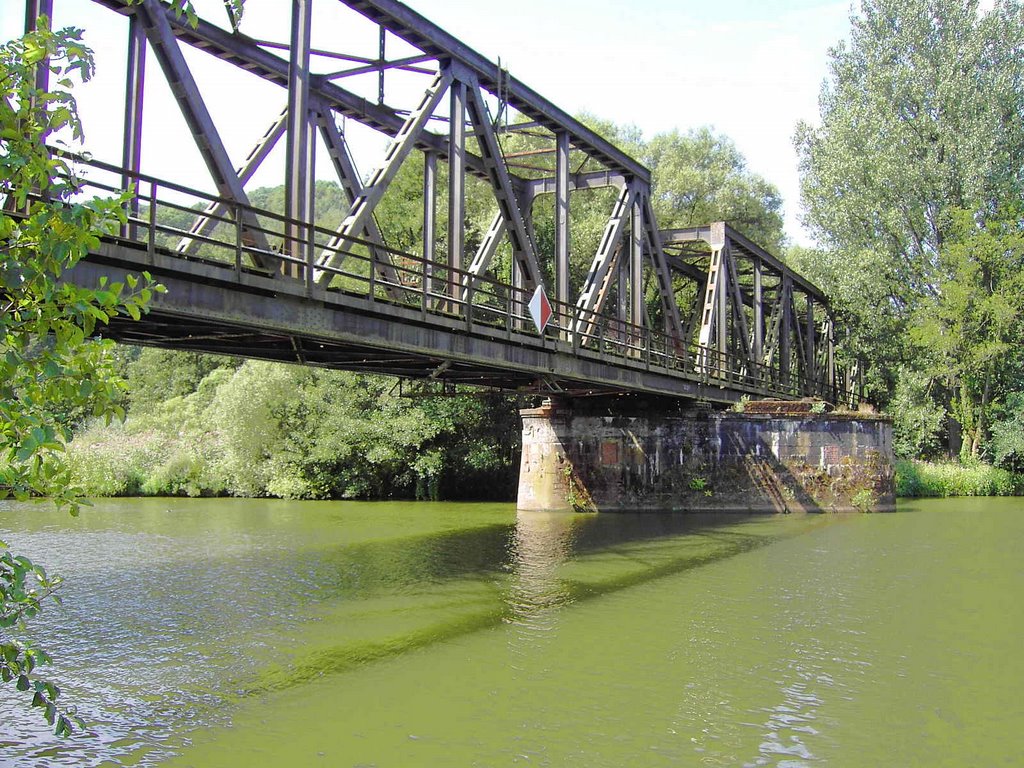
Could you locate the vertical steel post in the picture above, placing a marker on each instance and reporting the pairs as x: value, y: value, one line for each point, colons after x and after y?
x: 722, y: 312
x: 132, y: 144
x: 381, y: 57
x: 810, y: 369
x: 429, y: 226
x: 758, y: 316
x: 562, y: 224
x: 456, y: 185
x: 636, y: 265
x: 830, y: 358
x: 622, y: 305
x: 786, y: 329
x: 298, y: 176
x: 516, y: 303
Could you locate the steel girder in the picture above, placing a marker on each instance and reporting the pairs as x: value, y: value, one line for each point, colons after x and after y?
x: 729, y: 307
x: 756, y: 314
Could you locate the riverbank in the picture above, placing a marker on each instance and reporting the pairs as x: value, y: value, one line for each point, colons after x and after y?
x: 123, y: 468
x: 923, y: 479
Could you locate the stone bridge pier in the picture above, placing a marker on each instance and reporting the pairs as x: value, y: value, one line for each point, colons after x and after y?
x: 624, y: 455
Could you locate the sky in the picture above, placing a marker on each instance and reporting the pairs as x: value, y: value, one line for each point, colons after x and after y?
x: 750, y: 69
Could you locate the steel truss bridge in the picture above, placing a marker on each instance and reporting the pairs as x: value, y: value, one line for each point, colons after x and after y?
x: 696, y: 313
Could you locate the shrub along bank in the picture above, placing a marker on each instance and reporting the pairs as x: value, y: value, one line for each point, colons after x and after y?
x: 204, y: 426
x: 927, y: 479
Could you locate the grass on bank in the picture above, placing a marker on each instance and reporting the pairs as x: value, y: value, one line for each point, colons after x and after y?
x: 916, y: 479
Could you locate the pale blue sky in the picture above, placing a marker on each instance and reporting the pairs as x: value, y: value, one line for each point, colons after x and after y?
x: 749, y: 69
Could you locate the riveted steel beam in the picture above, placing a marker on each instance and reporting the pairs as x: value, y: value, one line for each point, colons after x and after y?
x: 299, y: 171
x: 456, y: 184
x: 209, y: 218
x: 600, y: 277
x: 363, y: 206
x: 131, y: 148
x: 183, y: 85
x: 348, y: 178
x: 523, y: 249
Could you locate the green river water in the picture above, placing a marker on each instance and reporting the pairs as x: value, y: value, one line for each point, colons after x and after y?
x: 268, y: 633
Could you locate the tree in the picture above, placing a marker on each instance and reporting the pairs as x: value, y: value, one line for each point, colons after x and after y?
x: 1008, y: 433
x: 971, y: 332
x: 48, y: 358
x: 700, y: 177
x: 906, y: 180
x: 920, y: 115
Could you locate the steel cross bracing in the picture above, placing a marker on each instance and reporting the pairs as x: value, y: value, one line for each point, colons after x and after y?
x: 700, y: 312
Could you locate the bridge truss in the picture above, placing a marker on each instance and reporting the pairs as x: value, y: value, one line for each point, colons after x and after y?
x: 699, y: 313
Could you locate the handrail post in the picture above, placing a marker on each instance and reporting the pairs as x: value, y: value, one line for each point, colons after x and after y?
x: 373, y: 278
x: 574, y: 336
x: 151, y: 240
x: 238, y: 242
x: 310, y: 257
x: 424, y: 288
x: 508, y: 312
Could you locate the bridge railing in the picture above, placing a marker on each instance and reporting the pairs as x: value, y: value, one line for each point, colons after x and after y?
x: 174, y: 220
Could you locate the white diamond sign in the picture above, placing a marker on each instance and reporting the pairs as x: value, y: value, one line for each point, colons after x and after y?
x: 540, y: 308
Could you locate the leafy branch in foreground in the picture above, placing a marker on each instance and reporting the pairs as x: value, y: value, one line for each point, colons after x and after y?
x: 49, y: 360
x: 26, y: 586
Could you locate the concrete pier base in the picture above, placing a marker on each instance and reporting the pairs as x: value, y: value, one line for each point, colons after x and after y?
x: 592, y: 457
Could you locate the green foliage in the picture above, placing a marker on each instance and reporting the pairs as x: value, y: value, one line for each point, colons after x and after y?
x: 576, y: 493
x: 50, y: 364
x: 917, y: 417
x: 915, y: 120
x: 973, y: 329
x: 272, y: 429
x: 925, y: 479
x: 1008, y: 433
x: 160, y: 374
x: 700, y: 177
x: 864, y: 500
x: 912, y: 180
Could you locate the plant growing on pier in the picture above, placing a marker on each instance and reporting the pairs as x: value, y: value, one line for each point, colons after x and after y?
x: 576, y: 494
x: 864, y: 500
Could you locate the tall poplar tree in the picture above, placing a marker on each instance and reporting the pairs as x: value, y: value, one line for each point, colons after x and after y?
x: 917, y: 160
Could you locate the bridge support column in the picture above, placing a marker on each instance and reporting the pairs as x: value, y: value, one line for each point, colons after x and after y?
x: 604, y: 455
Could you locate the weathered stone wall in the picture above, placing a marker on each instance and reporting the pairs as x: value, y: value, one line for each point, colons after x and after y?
x: 704, y: 460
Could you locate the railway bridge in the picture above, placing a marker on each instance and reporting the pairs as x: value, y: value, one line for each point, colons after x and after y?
x: 641, y: 317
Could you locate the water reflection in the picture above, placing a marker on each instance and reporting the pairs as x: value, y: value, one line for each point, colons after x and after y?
x: 542, y: 542
x: 558, y: 558
x: 175, y: 615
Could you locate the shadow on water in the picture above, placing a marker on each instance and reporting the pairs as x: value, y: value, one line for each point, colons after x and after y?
x: 428, y: 589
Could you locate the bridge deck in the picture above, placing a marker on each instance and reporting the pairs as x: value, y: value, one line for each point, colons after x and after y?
x: 403, y: 321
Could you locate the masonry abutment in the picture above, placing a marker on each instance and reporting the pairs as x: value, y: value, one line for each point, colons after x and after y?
x: 617, y: 455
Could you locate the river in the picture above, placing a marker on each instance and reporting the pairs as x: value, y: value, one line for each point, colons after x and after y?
x: 238, y: 633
